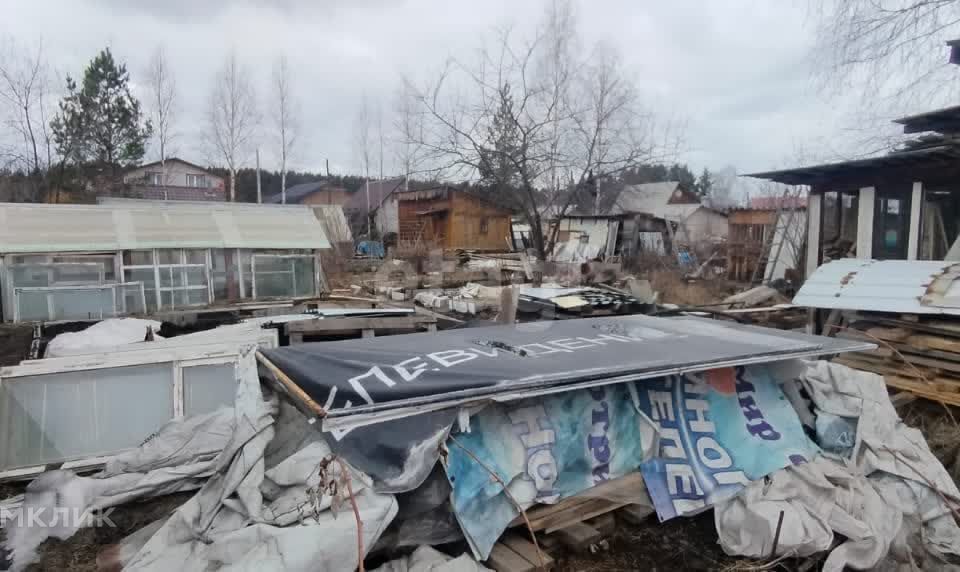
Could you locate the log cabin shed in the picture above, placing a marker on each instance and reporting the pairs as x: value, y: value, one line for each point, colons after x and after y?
x: 901, y: 206
x: 451, y: 218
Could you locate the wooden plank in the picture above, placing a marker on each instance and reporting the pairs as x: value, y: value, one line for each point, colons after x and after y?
x: 330, y: 325
x: 620, y: 487
x: 888, y: 334
x: 922, y: 390
x: 605, y: 524
x: 635, y: 513
x: 600, y: 507
x: 503, y: 559
x: 528, y: 551
x: 579, y: 536
x: 929, y: 342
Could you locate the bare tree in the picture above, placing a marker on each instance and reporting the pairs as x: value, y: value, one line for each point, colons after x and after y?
x: 23, y: 88
x: 535, y: 126
x: 363, y: 141
x: 408, y: 129
x: 285, y: 119
x: 232, y: 117
x: 163, y: 97
x: 892, y: 52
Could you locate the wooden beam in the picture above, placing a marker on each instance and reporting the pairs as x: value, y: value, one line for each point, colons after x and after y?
x: 333, y: 325
x: 290, y: 386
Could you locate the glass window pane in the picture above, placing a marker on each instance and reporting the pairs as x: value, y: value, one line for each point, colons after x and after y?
x: 207, y: 387
x: 169, y: 256
x: 224, y: 275
x: 138, y: 258
x: 195, y: 276
x: 62, y: 416
x: 196, y: 256
x: 303, y: 277
x: 197, y: 297
x: 82, y: 304
x: 247, y: 276
x: 891, y: 222
x: 32, y: 306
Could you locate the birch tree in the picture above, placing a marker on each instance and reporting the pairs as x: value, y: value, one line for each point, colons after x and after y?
x: 163, y: 97
x: 284, y: 119
x: 363, y: 141
x: 24, y: 85
x: 232, y: 117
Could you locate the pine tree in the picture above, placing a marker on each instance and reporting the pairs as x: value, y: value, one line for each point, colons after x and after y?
x: 498, y: 167
x: 100, y: 126
x: 705, y: 183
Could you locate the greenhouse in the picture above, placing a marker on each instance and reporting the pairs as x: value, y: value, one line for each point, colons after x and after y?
x: 90, y: 262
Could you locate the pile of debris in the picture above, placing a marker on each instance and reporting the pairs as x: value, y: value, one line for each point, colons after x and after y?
x: 906, y: 307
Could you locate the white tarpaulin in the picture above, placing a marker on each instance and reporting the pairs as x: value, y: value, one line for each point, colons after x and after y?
x: 273, y: 498
x: 105, y: 334
x: 179, y: 457
x: 881, y: 488
x: 426, y: 559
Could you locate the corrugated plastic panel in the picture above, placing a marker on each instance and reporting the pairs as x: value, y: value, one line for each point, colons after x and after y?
x: 131, y: 225
x: 874, y: 285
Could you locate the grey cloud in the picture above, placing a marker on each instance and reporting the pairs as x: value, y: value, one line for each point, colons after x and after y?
x: 736, y: 69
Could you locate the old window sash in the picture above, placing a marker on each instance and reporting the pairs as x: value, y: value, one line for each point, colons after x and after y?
x: 289, y: 271
x: 173, y: 277
x: 85, y: 374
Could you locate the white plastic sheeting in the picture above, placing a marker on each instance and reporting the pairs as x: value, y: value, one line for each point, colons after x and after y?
x: 426, y: 559
x: 265, y: 504
x: 886, y: 497
x: 251, y: 516
x: 180, y: 457
x: 102, y: 335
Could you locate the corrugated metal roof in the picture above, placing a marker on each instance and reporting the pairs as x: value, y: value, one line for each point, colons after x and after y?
x: 899, y: 286
x: 132, y: 224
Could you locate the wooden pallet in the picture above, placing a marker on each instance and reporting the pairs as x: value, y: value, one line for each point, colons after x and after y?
x: 576, y: 524
x: 917, y: 355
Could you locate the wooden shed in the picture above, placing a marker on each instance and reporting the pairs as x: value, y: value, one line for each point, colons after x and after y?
x: 747, y: 236
x: 451, y: 218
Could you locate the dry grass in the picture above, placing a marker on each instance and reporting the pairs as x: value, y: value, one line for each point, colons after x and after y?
x: 940, y: 430
x: 674, y: 289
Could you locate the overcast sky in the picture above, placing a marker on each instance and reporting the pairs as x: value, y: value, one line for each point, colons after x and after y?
x: 736, y: 71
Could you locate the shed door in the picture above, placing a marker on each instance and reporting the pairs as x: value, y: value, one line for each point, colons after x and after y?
x: 891, y: 223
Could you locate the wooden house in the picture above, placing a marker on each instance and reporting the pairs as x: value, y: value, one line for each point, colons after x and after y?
x: 451, y: 218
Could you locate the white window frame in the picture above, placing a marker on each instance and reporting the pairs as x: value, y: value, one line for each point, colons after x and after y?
x: 182, y: 257
x: 196, y: 181
x: 51, y: 290
x: 316, y: 271
x: 241, y: 355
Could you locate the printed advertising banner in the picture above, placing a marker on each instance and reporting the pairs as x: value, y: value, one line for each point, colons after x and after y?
x: 697, y: 439
x: 547, y: 449
x: 719, y: 430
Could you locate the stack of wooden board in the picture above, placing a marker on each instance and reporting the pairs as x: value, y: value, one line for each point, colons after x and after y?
x: 916, y: 354
x: 579, y: 523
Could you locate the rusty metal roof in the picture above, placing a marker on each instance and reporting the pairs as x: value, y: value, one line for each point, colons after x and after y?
x: 896, y: 286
